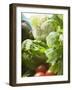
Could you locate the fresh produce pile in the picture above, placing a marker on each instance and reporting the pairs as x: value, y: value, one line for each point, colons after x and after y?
x: 42, y: 55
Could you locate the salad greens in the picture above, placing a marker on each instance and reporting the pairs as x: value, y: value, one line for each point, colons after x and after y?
x: 52, y: 39
x: 46, y: 47
x: 33, y: 53
x: 55, y: 52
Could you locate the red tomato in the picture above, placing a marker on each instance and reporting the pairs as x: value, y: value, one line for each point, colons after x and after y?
x: 39, y: 74
x: 49, y: 73
x: 41, y: 68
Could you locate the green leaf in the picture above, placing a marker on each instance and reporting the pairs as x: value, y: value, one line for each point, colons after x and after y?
x: 57, y: 67
x: 33, y: 53
x: 52, y: 39
x: 51, y: 55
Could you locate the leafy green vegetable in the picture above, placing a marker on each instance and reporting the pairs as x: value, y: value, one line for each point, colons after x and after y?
x: 57, y: 20
x: 26, y: 44
x: 43, y: 25
x: 33, y: 53
x: 47, y: 46
x: 52, y: 39
x: 37, y: 20
x: 46, y: 28
x: 57, y: 67
x: 55, y: 52
x: 52, y: 55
